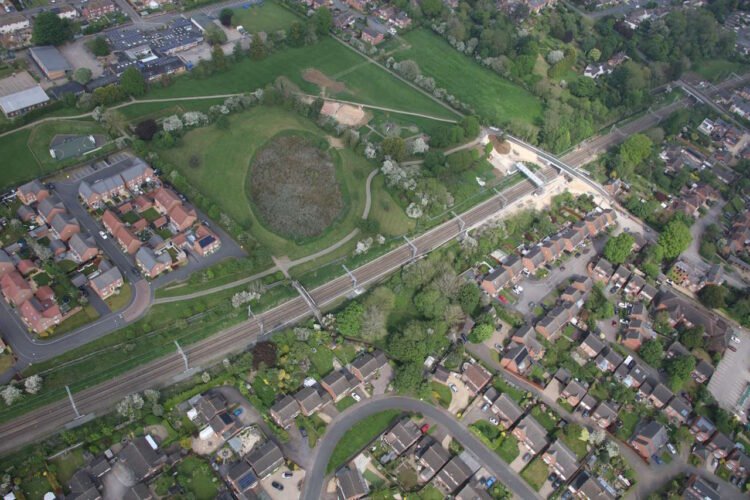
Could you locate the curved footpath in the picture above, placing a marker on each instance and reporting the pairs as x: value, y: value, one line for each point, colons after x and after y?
x: 316, y: 477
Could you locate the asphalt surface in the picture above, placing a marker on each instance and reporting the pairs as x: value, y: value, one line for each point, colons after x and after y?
x: 316, y: 477
x: 55, y: 416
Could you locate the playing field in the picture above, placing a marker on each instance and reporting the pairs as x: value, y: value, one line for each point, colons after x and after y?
x: 268, y: 17
x: 225, y: 157
x: 488, y: 93
x: 364, y: 81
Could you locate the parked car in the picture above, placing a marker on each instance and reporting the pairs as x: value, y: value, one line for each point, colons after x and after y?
x: 277, y: 485
x: 237, y: 412
x: 527, y: 457
x: 485, y: 406
x: 735, y: 339
x: 493, y: 420
x: 453, y: 387
x: 103, y: 235
x: 356, y: 397
x: 502, y: 299
x: 287, y: 474
x: 671, y: 449
x: 424, y: 428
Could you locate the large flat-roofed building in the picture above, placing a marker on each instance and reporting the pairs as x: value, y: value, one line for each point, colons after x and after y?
x: 21, y: 102
x: 51, y: 61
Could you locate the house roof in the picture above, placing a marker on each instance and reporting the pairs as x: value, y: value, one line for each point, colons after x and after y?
x: 309, y: 399
x: 592, y: 342
x: 704, y: 368
x: 18, y: 101
x: 638, y: 309
x: 50, y: 59
x: 662, y: 393
x: 149, y: 260
x: 434, y: 456
x: 369, y: 364
x: 575, y: 389
x: 653, y: 433
x: 722, y: 441
x: 351, y: 483
x: 139, y: 457
x: 242, y: 475
x: 107, y: 278
x: 704, y: 425
x: 555, y: 319
x: 473, y: 490
x: 339, y: 381
x: 402, y: 435
x: 702, y: 489
x: 60, y: 221
x: 265, y: 458
x: 454, y: 474
x: 498, y: 276
x: 476, y: 376
x: 286, y: 408
x: 680, y: 406
x: 606, y: 410
x: 507, y: 407
x: 604, y: 267
x: 536, y: 435
x: 564, y: 457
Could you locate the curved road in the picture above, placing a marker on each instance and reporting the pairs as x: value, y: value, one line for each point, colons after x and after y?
x: 315, y: 482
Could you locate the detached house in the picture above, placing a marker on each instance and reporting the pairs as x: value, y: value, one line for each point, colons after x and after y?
x: 367, y: 365
x: 602, y: 270
x: 533, y: 260
x: 739, y: 463
x: 702, y: 428
x: 475, y: 376
x: 605, y: 414
x: 309, y: 400
x: 608, y: 360
x: 720, y: 445
x: 265, y: 459
x: 152, y: 264
x: 15, y: 288
x: 107, y: 283
x: 573, y: 393
x: 516, y: 359
x: 32, y: 192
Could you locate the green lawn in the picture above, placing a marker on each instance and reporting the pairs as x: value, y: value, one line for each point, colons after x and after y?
x: 629, y: 421
x: 441, y: 394
x: 195, y: 475
x: 322, y: 361
x: 576, y: 445
x: 42, y: 135
x: 535, y: 473
x: 19, y: 164
x: 365, y: 82
x: 87, y: 315
x: 501, y: 385
x: 121, y: 299
x: 488, y: 93
x: 508, y: 449
x: 717, y: 69
x: 226, y: 156
x: 359, y: 436
x: 345, y: 403
x: 392, y: 221
x: 68, y: 464
x: 268, y: 17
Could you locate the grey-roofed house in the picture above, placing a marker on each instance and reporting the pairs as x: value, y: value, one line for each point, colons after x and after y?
x: 151, y: 263
x: 367, y: 365
x: 608, y: 360
x: 702, y: 372
x: 507, y: 411
x: 660, y: 396
x: 561, y: 460
x: 516, y: 358
x: 473, y: 490
x: 621, y: 276
x: 720, y: 445
x: 573, y: 392
x: 402, y: 435
x: 284, y: 411
x: 603, y: 270
x: 552, y: 322
x: 309, y: 400
x: 649, y: 439
x: 531, y: 434
x: 265, y: 459
x: 587, y: 487
x: 648, y: 292
x: 141, y: 458
x: 678, y: 410
x: 22, y: 101
x: 51, y: 61
x: 591, y: 346
x: 588, y: 402
x: 452, y: 476
x: 702, y: 428
x: 496, y: 280
x: 58, y: 92
x: 605, y: 414
x: 107, y: 283
x: 241, y: 477
x: 432, y: 458
x: 699, y: 488
x: 350, y: 484
x: 338, y: 384
x: 82, y: 247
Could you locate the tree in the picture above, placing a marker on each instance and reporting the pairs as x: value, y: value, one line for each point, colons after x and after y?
x: 618, y: 248
x: 692, y: 338
x: 468, y: 297
x: 147, y: 129
x: 408, y: 378
x: 595, y: 54
x: 409, y: 69
x: 296, y: 34
x: 471, y: 126
x: 395, y: 147
x: 652, y: 352
x: 323, y: 20
x: 218, y: 59
x: 51, y: 30
x: 214, y: 35
x: 632, y: 153
x: 225, y: 17
x: 257, y: 48
x: 99, y: 46
x: 33, y: 384
x: 349, y: 321
x: 431, y: 8
x: 679, y: 370
x: 430, y: 303
x: 10, y: 394
x: 480, y: 333
x: 713, y: 296
x: 674, y: 239
x: 82, y: 76
x: 132, y: 82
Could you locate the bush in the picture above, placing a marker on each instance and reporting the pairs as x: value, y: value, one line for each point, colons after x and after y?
x: 147, y: 129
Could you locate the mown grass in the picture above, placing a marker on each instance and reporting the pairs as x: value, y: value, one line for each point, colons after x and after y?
x: 488, y: 93
x: 368, y: 83
x: 535, y: 473
x: 359, y: 436
x: 268, y: 17
x: 42, y: 135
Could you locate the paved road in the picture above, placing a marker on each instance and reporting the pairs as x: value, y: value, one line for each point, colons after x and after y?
x: 316, y: 477
x: 55, y: 416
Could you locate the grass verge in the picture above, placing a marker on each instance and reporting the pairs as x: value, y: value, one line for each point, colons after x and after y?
x: 359, y: 436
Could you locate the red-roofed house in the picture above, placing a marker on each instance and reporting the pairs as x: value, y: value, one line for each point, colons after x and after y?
x: 26, y: 267
x: 37, y: 319
x: 31, y: 192
x: 15, y: 289
x: 165, y: 200
x: 181, y: 218
x: 206, y: 242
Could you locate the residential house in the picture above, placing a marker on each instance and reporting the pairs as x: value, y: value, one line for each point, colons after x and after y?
x: 475, y: 376
x: 649, y: 439
x: 605, y: 414
x: 165, y: 200
x: 582, y: 283
x: 533, y: 260
x: 720, y: 445
x: 648, y: 293
x: 678, y: 410
x: 702, y: 372
x: 15, y: 288
x: 676, y: 349
x: 526, y: 335
x: 38, y: 318
x: 350, y: 484
x: 32, y: 192
x: 102, y: 191
x: 181, y: 218
x: 63, y: 226
x: 506, y: 410
x: 561, y: 460
x: 107, y: 283
x: 206, y: 242
x: 339, y: 384
x: 129, y: 243
x: 241, y: 478
x: 660, y: 396
x: 584, y: 486
x: 591, y: 346
x: 551, y: 324
x: 531, y: 434
x: 309, y: 400
x: 13, y: 22
x: 432, y: 458
x: 402, y: 435
x: 634, y: 286
x: 573, y: 393
x: 284, y: 411
x: 552, y: 249
x: 474, y: 490
x: 25, y: 213
x: 516, y: 359
x: 602, y: 271
x: 49, y: 207
x: 496, y: 281
x: 635, y: 376
x: 142, y: 457
x: 514, y: 266
x: 571, y: 239
x: 371, y: 36
x: 608, y: 360
x: 588, y: 402
x: 265, y: 459
x: 452, y: 476
x: 738, y: 463
x: 6, y: 263
x: 367, y: 365
x: 699, y: 488
x: 82, y: 248
x: 137, y: 174
x: 620, y: 277
x: 152, y: 264
x: 95, y: 9
x: 638, y: 312
x: 702, y: 428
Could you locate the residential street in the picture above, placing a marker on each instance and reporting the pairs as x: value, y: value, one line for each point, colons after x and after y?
x: 313, y: 488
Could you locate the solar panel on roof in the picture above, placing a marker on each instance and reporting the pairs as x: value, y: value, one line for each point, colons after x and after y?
x: 246, y: 481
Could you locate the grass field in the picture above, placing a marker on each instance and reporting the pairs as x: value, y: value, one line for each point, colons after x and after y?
x: 268, y: 17
x: 714, y: 70
x: 359, y: 435
x: 488, y: 93
x: 226, y: 157
x: 365, y: 82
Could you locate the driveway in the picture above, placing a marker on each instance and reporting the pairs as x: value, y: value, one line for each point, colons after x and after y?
x: 313, y: 488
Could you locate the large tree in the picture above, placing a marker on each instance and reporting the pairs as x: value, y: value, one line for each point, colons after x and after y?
x: 632, y: 153
x: 652, y: 352
x: 51, y: 30
x: 323, y: 20
x: 713, y: 296
x: 133, y: 83
x: 618, y: 248
x: 679, y: 370
x: 674, y: 239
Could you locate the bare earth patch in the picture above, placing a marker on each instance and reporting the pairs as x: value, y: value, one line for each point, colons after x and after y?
x: 502, y: 147
x: 293, y: 187
x: 320, y: 79
x: 345, y: 114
